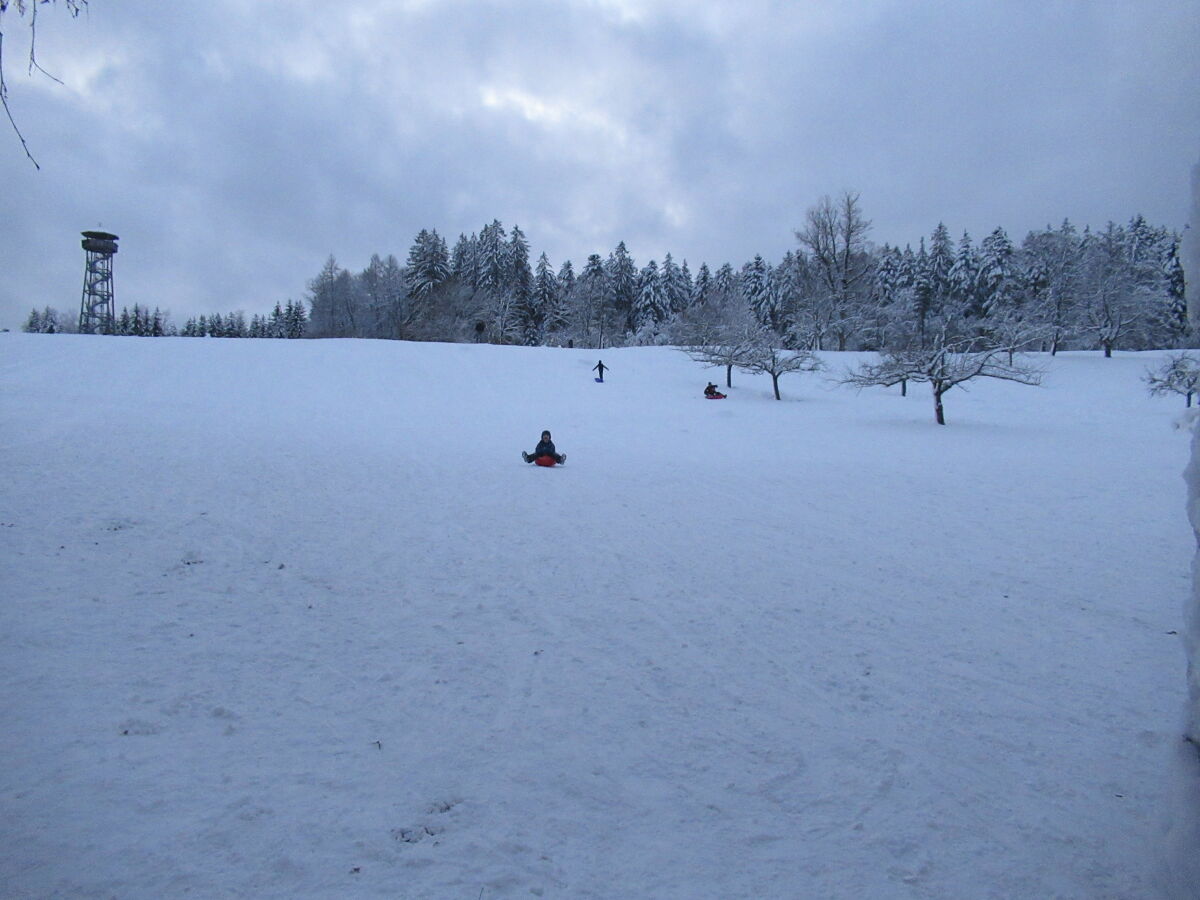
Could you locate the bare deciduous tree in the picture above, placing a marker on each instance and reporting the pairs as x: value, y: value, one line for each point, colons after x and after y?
x: 21, y: 6
x: 945, y: 362
x: 764, y: 357
x: 835, y: 234
x: 1180, y: 374
x: 725, y: 348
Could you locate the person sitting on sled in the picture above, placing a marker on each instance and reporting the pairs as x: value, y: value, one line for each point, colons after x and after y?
x: 711, y: 390
x: 544, y: 451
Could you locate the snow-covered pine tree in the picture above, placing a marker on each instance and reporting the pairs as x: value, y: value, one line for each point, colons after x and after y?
x: 428, y: 266
x: 462, y: 260
x: 1152, y: 254
x: 941, y: 261
x: 566, y: 279
x: 674, y: 287
x: 548, y: 297
x: 921, y: 284
x: 907, y: 277
x: 755, y: 289
x: 998, y: 287
x: 785, y: 283
x: 689, y: 285
x: 296, y: 319
x: 33, y: 323
x: 493, y: 279
x: 1175, y: 317
x: 963, y: 277
x: 528, y: 318
x: 725, y: 285
x: 491, y: 259
x: 623, y: 287
x: 702, y: 286
x: 888, y: 315
x: 649, y: 305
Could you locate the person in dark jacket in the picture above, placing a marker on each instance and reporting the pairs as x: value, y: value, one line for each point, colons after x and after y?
x: 545, y: 447
x: 600, y: 367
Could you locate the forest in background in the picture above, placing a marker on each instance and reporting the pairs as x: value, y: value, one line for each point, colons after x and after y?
x: 1121, y: 287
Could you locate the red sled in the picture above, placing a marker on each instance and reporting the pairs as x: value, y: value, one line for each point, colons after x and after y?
x: 714, y: 396
x: 547, y: 461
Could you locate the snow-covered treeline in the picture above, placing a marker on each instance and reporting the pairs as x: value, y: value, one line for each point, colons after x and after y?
x: 1120, y: 287
x: 46, y: 321
x: 1117, y: 288
x: 284, y: 321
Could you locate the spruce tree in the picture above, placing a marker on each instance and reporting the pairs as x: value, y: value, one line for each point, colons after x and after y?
x: 528, y: 317
x: 754, y: 287
x: 941, y: 261
x: 295, y: 319
x: 548, y: 299
x: 703, y: 285
x: 674, y: 287
x: 962, y: 277
x: 650, y: 303
x: 462, y: 260
x: 428, y: 265
x: 997, y: 285
x: 922, y: 282
x: 566, y: 280
x: 622, y: 284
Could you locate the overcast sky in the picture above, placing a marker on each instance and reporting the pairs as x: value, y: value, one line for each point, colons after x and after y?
x: 233, y: 145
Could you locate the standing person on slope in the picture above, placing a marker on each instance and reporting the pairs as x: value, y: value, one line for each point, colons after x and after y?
x: 600, y: 367
x: 544, y: 454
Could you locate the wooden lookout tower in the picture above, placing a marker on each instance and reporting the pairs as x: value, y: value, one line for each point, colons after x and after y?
x: 97, y: 313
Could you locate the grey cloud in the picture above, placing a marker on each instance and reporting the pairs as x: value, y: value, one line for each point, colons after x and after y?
x: 234, y: 146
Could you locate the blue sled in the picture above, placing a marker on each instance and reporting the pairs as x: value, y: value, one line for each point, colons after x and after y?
x: 599, y: 380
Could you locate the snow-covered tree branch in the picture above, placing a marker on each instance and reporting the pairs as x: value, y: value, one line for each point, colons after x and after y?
x: 763, y: 356
x: 1180, y: 374
x: 945, y: 362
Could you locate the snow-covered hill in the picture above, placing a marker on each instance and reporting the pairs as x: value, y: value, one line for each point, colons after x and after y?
x: 292, y: 619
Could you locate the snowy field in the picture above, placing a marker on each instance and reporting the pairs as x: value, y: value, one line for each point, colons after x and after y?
x: 292, y: 619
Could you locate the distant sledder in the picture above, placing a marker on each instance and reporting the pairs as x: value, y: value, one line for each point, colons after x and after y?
x: 712, y: 393
x: 544, y: 454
